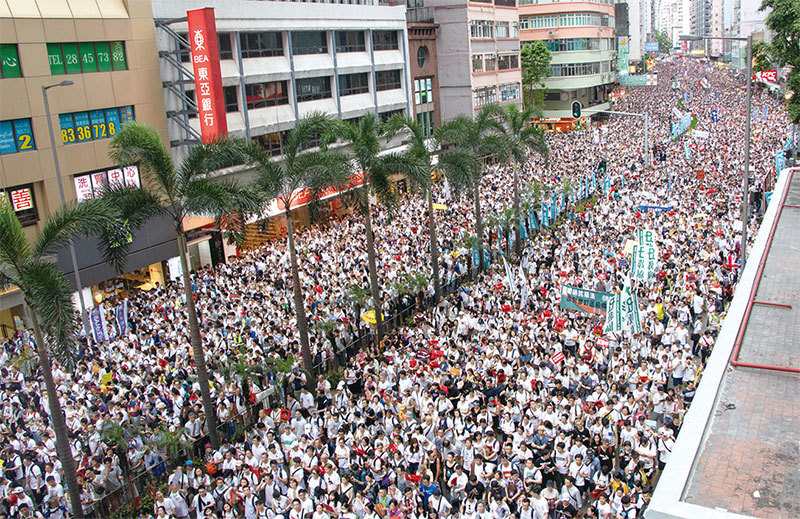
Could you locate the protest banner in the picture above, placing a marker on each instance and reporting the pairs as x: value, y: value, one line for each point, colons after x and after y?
x: 584, y: 300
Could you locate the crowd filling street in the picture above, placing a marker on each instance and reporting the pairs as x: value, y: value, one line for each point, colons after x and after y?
x: 489, y: 405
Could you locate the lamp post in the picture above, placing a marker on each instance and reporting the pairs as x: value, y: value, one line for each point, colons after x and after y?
x: 45, y: 88
x: 749, y: 115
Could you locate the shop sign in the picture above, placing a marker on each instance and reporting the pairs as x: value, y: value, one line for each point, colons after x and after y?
x: 23, y: 203
x: 90, y: 185
x: 207, y: 77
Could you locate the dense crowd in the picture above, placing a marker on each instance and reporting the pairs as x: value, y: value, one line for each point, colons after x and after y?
x: 487, y: 407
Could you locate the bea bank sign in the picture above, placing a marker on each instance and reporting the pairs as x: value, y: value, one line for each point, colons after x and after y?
x: 204, y: 48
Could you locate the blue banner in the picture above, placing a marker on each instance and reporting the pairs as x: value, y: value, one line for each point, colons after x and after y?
x: 98, y: 323
x: 121, y: 317
x: 606, y: 184
x: 533, y: 223
x: 523, y: 232
x: 714, y: 115
x: 476, y: 257
x: 656, y: 208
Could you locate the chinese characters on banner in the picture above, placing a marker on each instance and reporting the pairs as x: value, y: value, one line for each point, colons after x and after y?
x: 622, y: 312
x: 646, y: 237
x: 643, y: 262
x: 91, y: 185
x: 207, y: 77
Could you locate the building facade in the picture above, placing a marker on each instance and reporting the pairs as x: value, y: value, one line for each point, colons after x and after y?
x: 582, y: 40
x: 281, y: 61
x: 424, y: 66
x: 478, y: 54
x: 107, y: 50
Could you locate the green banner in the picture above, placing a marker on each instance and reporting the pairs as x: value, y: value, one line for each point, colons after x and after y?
x: 622, y: 55
x: 584, y: 300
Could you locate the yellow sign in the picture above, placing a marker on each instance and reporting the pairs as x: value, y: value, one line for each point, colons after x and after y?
x: 629, y: 246
x: 106, y: 379
x: 454, y: 253
x: 369, y: 316
x: 440, y: 207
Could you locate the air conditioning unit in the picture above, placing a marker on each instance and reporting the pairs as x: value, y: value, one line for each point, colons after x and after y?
x: 551, y: 32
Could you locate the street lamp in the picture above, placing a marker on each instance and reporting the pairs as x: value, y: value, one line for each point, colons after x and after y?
x: 45, y: 88
x: 746, y: 178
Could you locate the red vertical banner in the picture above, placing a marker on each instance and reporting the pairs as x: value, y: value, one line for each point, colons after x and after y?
x: 207, y: 77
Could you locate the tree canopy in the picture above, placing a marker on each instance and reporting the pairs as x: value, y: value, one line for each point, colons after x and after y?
x: 535, y: 58
x: 784, y: 21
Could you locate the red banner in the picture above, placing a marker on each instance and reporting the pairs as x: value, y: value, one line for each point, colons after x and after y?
x: 207, y: 77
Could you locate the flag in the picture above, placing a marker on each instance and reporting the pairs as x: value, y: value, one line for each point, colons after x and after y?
x: 512, y: 287
x: 476, y: 257
x: 121, y: 317
x: 763, y: 114
x: 523, y: 283
x: 523, y: 232
x: 755, y: 113
x: 732, y: 263
x: 97, y: 319
x: 594, y: 182
x: 487, y: 258
x: 606, y: 184
x: 630, y: 308
x: 533, y: 223
x: 446, y: 189
x: 545, y: 215
x: 557, y: 358
x: 614, y: 318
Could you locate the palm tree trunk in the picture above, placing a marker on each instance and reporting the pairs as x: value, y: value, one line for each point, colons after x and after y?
x: 59, y: 425
x: 197, y: 347
x: 479, y: 225
x: 517, y: 215
x: 437, y: 289
x: 299, y: 304
x: 373, y: 271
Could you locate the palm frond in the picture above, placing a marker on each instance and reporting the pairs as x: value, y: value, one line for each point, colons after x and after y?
x: 462, y: 168
x: 138, y: 143
x: 49, y: 295
x: 217, y: 197
x: 14, y: 248
x: 214, y: 156
x: 319, y: 170
x: 316, y: 126
x: 71, y: 221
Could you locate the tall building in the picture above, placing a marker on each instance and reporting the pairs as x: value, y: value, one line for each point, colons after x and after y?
x: 107, y: 49
x: 424, y: 66
x: 478, y: 54
x: 581, y: 38
x: 281, y: 61
x: 700, y: 22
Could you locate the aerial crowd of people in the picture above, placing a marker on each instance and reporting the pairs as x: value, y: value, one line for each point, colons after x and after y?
x: 488, y: 405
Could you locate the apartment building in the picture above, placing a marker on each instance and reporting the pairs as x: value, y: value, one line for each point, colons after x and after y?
x: 281, y: 61
x: 106, y: 49
x: 478, y: 53
x: 581, y: 38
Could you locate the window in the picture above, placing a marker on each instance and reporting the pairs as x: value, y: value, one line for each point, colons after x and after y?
x: 272, y: 143
x: 575, y: 69
x: 502, y: 30
x: 77, y: 58
x: 9, y: 61
x: 481, y: 29
x: 22, y: 201
x: 313, y: 88
x: 565, y: 20
x: 91, y: 185
x: 423, y: 91
x: 225, y: 50
x: 385, y: 40
x: 350, y: 41
x: 385, y: 116
x: 485, y: 96
x: 260, y: 95
x: 93, y: 125
x: 506, y: 3
x: 489, y: 62
x: 231, y: 99
x: 387, y: 80
x: 261, y: 44
x: 350, y: 84
x: 425, y: 120
x: 515, y: 29
x: 508, y: 61
x: 16, y: 136
x: 477, y: 63
x: 509, y: 92
x: 422, y: 56
x: 309, y: 42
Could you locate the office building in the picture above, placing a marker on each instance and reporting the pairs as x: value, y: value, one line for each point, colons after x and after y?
x: 582, y: 40
x: 478, y: 54
x: 107, y: 49
x: 424, y: 66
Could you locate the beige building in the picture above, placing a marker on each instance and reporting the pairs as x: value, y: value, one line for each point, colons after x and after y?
x: 107, y: 48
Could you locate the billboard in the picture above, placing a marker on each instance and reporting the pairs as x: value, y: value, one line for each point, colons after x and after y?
x: 651, y: 46
x: 204, y: 48
x: 622, y: 55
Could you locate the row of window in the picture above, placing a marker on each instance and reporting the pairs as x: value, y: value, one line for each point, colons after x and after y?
x: 69, y: 58
x: 550, y: 21
x: 87, y: 56
x: 579, y: 69
x: 488, y: 95
x: 275, y: 93
x: 423, y: 91
x: 534, y: 2
x: 492, y: 62
x: 568, y: 44
x: 269, y: 44
x: 93, y: 124
x: 504, y: 3
x: 493, y: 29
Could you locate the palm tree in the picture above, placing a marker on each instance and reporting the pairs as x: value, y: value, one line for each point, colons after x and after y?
x: 365, y: 138
x: 181, y: 191
x: 523, y: 138
x: 424, y: 151
x: 477, y: 140
x: 48, y: 296
x: 301, y: 169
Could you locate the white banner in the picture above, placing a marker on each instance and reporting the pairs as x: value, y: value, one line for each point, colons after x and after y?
x: 643, y: 262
